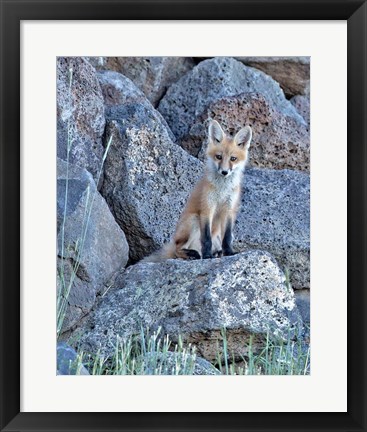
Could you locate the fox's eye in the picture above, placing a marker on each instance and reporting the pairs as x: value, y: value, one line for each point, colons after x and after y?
x: 233, y: 158
x: 219, y: 157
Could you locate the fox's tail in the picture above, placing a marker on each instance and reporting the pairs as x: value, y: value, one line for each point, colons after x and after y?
x: 170, y: 251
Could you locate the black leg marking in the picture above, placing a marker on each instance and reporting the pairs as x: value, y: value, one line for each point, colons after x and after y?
x: 227, y: 240
x: 192, y: 254
x: 206, y: 242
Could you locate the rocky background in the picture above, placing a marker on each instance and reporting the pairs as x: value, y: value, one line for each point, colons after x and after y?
x: 151, y: 115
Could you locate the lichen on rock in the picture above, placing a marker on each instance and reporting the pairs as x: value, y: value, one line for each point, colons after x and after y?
x: 245, y: 294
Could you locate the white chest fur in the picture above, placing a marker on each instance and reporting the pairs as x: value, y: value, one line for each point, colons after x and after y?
x: 224, y: 191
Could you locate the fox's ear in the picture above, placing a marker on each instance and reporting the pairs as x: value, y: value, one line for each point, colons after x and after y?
x: 243, y: 137
x: 216, y: 133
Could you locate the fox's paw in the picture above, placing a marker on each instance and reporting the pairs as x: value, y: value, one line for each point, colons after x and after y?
x: 218, y: 254
x: 229, y: 252
x: 207, y: 256
x: 192, y: 254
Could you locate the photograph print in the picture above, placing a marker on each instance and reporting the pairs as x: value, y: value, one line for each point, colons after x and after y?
x: 183, y: 216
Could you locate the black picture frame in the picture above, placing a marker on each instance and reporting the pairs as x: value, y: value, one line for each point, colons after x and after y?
x: 12, y: 12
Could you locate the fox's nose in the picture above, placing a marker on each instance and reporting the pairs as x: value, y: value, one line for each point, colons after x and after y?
x: 224, y: 173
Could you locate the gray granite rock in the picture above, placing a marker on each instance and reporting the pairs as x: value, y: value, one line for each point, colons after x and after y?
x: 90, y: 237
x: 203, y: 367
x: 275, y: 216
x: 80, y: 114
x: 302, y: 105
x: 303, y: 303
x: 152, y: 75
x: 80, y: 298
x: 148, y: 178
x: 68, y: 362
x: 121, y: 91
x: 245, y: 293
x: 175, y: 363
x: 99, y: 63
x: 212, y: 80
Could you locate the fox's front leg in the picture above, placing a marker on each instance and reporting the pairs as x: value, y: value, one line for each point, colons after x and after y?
x: 227, y: 237
x: 206, y: 237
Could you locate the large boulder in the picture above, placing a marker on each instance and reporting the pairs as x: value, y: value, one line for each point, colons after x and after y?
x: 212, y: 80
x: 80, y: 114
x: 279, y: 141
x: 245, y: 294
x: 275, y: 216
x: 91, y: 246
x: 148, y: 181
x: 118, y: 90
x: 147, y: 177
x: 292, y: 73
x: 153, y: 75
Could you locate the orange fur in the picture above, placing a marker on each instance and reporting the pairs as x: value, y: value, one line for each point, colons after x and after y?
x: 214, y: 201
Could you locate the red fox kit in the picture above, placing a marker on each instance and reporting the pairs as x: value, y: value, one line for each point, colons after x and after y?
x: 205, y: 227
